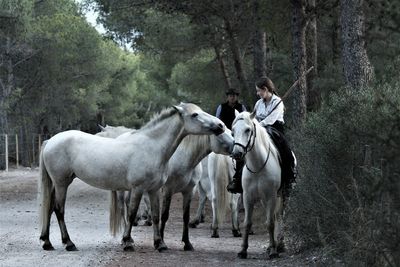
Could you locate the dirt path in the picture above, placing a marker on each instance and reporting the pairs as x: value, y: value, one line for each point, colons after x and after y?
x: 87, y: 222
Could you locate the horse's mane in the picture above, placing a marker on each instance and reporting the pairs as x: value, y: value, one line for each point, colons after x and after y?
x: 192, y: 140
x: 162, y: 115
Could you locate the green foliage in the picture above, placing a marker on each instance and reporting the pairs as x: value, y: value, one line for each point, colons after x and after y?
x: 198, y: 78
x: 340, y: 201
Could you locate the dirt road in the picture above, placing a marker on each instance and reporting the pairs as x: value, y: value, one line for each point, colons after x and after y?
x: 87, y: 222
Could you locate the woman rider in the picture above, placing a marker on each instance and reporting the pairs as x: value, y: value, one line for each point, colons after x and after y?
x: 269, y: 113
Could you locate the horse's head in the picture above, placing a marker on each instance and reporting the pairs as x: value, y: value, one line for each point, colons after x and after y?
x: 223, y: 143
x: 196, y: 121
x: 243, y: 131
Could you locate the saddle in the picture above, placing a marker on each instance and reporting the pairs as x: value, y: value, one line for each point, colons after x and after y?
x: 286, y: 159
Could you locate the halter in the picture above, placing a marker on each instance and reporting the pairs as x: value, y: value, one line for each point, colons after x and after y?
x: 247, y: 149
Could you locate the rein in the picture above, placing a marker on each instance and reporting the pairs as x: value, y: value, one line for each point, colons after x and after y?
x: 265, y: 162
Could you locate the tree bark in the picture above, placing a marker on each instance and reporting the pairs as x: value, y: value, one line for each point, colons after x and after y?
x: 299, y: 59
x: 259, y: 44
x: 223, y: 67
x: 314, y: 95
x: 358, y: 70
x: 237, y: 59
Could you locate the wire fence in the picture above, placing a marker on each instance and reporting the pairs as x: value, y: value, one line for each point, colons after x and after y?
x: 17, y: 150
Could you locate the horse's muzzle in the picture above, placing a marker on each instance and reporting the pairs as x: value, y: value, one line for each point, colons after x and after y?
x: 237, y: 154
x: 219, y: 129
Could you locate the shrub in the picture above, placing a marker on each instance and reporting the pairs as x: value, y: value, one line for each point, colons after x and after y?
x: 347, y: 196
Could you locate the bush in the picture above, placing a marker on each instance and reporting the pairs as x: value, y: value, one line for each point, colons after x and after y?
x: 347, y: 196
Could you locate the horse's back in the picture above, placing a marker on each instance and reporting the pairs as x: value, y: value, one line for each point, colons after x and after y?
x: 99, y: 161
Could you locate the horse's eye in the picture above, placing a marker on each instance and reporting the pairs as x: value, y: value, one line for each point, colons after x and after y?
x: 247, y: 131
x: 194, y: 115
x: 232, y: 134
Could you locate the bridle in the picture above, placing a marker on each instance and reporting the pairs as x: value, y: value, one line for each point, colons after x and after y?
x: 249, y: 147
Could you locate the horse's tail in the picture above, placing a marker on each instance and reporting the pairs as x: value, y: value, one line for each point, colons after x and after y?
x: 220, y: 171
x: 45, y: 186
x: 117, y: 213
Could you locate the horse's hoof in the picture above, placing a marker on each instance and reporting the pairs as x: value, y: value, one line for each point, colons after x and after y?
x: 192, y: 225
x: 188, y: 247
x: 273, y: 255
x: 242, y: 255
x: 251, y: 232
x: 71, y: 247
x: 147, y: 223
x: 129, y: 248
x: 135, y: 224
x: 48, y: 246
x: 281, y: 248
x: 160, y: 246
x: 236, y: 233
x: 215, y: 235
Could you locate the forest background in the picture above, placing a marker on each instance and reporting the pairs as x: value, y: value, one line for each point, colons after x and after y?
x: 58, y: 73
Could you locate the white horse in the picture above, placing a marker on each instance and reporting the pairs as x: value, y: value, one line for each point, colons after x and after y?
x: 220, y: 172
x: 144, y: 211
x: 261, y: 178
x: 217, y: 172
x: 183, y: 175
x: 137, y: 163
x: 184, y: 172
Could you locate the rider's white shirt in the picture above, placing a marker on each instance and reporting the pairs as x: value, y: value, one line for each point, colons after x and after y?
x: 263, y: 111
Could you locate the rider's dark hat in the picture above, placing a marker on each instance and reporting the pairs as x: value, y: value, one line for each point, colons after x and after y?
x: 232, y: 91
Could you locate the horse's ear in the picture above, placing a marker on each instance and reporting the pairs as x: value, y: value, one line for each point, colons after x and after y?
x: 101, y: 128
x: 178, y: 108
x: 253, y: 114
x: 236, y: 113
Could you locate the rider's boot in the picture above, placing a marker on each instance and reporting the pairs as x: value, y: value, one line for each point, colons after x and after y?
x: 235, y: 186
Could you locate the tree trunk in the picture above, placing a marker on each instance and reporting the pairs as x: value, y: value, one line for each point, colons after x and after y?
x: 314, y: 95
x: 299, y: 59
x: 223, y: 67
x: 237, y: 59
x: 259, y: 44
x: 6, y: 85
x: 358, y: 70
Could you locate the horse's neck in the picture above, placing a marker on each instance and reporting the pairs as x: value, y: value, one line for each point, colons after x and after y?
x: 262, y: 145
x: 167, y: 134
x: 196, y: 148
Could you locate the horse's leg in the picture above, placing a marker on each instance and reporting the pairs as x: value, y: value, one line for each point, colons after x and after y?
x: 166, y: 203
x: 235, y: 216
x: 214, y: 225
x: 187, y: 199
x: 271, y: 218
x: 279, y: 225
x: 45, y: 234
x: 133, y: 207
x: 147, y: 210
x: 248, y: 213
x: 199, y: 218
x: 155, y: 211
x: 59, y: 209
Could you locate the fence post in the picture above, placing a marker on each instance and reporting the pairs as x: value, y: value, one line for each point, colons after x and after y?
x: 6, y: 143
x: 39, y: 145
x: 16, y: 150
x: 33, y: 150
